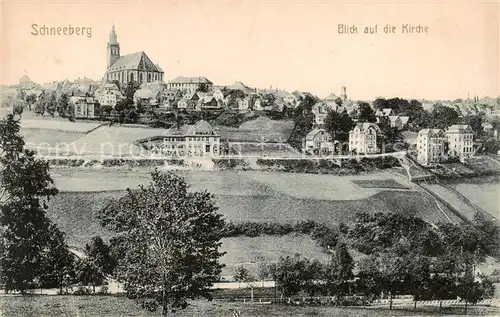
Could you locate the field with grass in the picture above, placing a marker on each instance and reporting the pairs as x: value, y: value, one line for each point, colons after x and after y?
x: 483, y: 191
x: 241, y: 196
x: 264, y: 149
x: 112, y: 306
x: 44, y: 138
x: 261, y: 129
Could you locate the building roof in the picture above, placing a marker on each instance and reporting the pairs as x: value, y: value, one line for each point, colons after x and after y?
x: 190, y: 80
x: 138, y: 60
x: 430, y: 131
x: 364, y: 126
x: 145, y: 93
x: 201, y: 127
x: 404, y: 119
x: 459, y: 128
x: 331, y: 96
x: 239, y: 86
x: 310, y: 136
x: 386, y: 111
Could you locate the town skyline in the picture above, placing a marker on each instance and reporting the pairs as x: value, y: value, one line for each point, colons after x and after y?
x: 254, y: 51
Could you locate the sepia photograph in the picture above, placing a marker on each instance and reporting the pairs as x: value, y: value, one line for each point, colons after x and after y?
x: 249, y: 158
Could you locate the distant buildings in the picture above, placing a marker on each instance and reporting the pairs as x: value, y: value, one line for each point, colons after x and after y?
x: 84, y: 107
x: 460, y: 139
x: 436, y: 145
x: 200, y: 139
x: 190, y: 84
x: 363, y: 138
x: 318, y: 142
x: 430, y: 146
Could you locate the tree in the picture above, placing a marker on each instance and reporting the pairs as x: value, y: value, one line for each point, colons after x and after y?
x: 50, y: 103
x: 63, y: 105
x: 171, y: 239
x: 30, y: 100
x: 58, y: 261
x: 366, y: 113
x: 442, y: 117
x: 289, y: 274
x: 472, y: 291
x: 338, y: 124
x: 27, y: 233
x: 263, y: 272
x: 88, y: 273
x: 241, y: 274
x: 339, y: 271
x: 99, y: 253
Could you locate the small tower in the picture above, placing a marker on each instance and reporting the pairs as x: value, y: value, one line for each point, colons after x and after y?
x: 343, y: 94
x: 113, y: 47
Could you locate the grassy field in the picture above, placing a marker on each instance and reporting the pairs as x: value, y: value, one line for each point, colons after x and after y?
x: 41, y: 138
x: 110, y: 306
x: 261, y: 129
x: 483, y: 191
x: 249, y: 252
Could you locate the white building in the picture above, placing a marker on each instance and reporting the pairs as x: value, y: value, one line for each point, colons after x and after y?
x: 200, y: 139
x: 108, y: 95
x: 460, y: 141
x: 363, y: 138
x: 430, y: 146
x: 318, y: 141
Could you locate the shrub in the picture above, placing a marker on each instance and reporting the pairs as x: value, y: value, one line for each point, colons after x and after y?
x: 82, y: 290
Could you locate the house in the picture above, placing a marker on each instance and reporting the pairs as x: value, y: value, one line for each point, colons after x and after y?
x: 220, y: 94
x: 320, y: 111
x: 363, y: 138
x: 209, y: 103
x: 108, y: 95
x: 430, y: 146
x: 318, y: 141
x: 460, y: 141
x: 190, y: 84
x: 189, y: 101
x: 168, y: 99
x: 84, y: 107
x: 243, y: 104
x: 200, y: 139
x: 146, y: 96
x: 487, y: 126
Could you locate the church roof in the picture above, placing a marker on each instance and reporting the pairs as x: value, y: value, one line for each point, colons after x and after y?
x: 139, y: 61
x: 189, y: 80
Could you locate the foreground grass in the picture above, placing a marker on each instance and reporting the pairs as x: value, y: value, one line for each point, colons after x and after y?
x: 111, y: 306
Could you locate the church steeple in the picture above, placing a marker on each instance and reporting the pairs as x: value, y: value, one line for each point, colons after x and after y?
x: 113, y: 47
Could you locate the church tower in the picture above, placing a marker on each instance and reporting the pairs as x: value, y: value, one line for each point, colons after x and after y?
x: 113, y: 47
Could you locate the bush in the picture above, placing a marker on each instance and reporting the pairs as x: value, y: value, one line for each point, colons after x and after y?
x: 82, y: 290
x: 150, y: 305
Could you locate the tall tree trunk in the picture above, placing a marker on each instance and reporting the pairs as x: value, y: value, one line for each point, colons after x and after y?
x: 415, y: 304
x: 390, y: 301
x: 440, y: 305
x: 466, y: 307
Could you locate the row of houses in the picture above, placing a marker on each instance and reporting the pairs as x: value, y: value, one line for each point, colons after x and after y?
x: 438, y: 145
x: 362, y: 140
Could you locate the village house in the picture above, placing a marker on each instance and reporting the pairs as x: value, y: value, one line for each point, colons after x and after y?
x: 146, y: 96
x: 84, y: 107
x: 190, y: 84
x: 430, y: 146
x: 363, y: 138
x: 386, y: 112
x: 318, y: 142
x: 399, y: 122
x: 243, y: 104
x: 220, y: 94
x: 320, y: 111
x: 168, y: 99
x: 108, y: 95
x: 200, y: 139
x: 189, y: 101
x: 460, y: 141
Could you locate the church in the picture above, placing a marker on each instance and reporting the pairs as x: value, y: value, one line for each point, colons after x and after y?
x: 132, y: 67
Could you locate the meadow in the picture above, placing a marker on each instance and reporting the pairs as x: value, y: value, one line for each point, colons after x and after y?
x: 117, y: 306
x: 241, y: 196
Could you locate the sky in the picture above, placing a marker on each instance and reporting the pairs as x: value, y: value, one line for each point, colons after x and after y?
x: 291, y: 45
